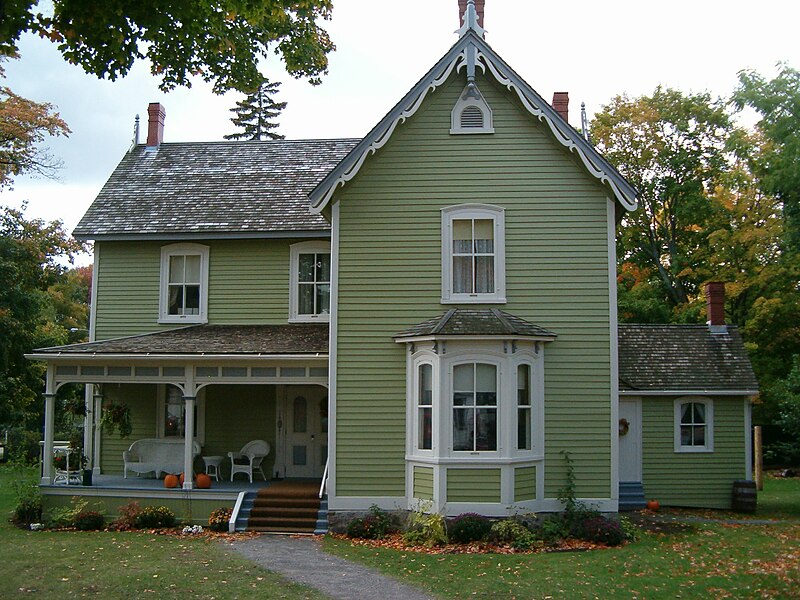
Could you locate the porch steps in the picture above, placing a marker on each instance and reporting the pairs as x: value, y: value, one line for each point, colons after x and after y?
x: 244, y: 511
x: 322, y: 517
x: 631, y: 495
x: 286, y: 507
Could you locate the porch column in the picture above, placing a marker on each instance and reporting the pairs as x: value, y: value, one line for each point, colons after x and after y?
x: 97, y: 431
x: 188, y: 455
x: 47, y: 453
x: 88, y: 426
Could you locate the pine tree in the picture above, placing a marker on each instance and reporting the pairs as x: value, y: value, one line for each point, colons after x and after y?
x: 255, y: 114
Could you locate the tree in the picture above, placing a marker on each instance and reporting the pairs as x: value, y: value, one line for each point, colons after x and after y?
x: 23, y: 127
x: 778, y: 166
x: 255, y: 114
x: 671, y: 148
x: 221, y: 41
x: 32, y: 254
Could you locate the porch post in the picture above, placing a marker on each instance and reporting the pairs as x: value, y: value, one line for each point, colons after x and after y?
x: 47, y: 454
x: 98, y: 407
x: 88, y: 425
x: 188, y: 446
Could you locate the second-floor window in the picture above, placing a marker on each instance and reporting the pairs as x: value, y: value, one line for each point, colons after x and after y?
x: 310, y: 294
x: 184, y: 283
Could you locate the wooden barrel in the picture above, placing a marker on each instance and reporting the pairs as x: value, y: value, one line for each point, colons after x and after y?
x: 744, y: 496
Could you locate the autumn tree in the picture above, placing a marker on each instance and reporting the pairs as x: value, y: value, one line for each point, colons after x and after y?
x: 256, y: 113
x: 221, y: 41
x: 672, y: 148
x: 24, y: 125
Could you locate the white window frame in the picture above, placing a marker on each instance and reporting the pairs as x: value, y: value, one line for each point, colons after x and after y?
x: 415, y: 408
x: 200, y: 421
x: 295, y: 250
x: 500, y: 408
x: 471, y: 98
x: 474, y: 211
x: 168, y: 252
x: 709, y: 437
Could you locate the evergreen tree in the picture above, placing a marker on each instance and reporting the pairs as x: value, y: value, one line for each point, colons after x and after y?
x: 255, y: 114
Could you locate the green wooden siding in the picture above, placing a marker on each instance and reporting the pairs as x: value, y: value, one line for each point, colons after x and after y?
x: 234, y: 415
x: 686, y: 478
x: 390, y: 279
x: 524, y: 483
x: 473, y: 485
x: 423, y: 483
x: 248, y: 284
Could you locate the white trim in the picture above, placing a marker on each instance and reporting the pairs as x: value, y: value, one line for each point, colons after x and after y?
x: 77, y: 358
x: 748, y: 439
x: 347, y: 503
x: 465, y: 101
x: 688, y: 392
x: 93, y: 303
x: 332, y: 352
x: 473, y: 338
x: 154, y: 493
x: 474, y: 211
x: 636, y: 431
x: 708, y: 447
x: 611, y: 225
x: 295, y: 250
x: 235, y: 512
x: 185, y: 249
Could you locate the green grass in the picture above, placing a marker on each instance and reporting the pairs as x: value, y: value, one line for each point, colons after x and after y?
x: 126, y: 565
x: 708, y: 561
x: 780, y: 498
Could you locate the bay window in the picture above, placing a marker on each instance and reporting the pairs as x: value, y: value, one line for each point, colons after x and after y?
x: 475, y: 407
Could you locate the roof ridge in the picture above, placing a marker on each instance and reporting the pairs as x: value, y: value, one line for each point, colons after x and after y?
x: 443, y: 321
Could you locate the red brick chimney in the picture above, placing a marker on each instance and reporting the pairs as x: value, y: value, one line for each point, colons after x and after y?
x: 155, y: 124
x: 462, y: 8
x: 561, y: 104
x: 715, y: 305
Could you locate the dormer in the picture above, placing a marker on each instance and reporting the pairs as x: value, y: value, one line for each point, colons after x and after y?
x: 472, y: 113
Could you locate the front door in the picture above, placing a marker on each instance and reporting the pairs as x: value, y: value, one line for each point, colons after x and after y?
x: 306, y: 448
x: 630, y: 440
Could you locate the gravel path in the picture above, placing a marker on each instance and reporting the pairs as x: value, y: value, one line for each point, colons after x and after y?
x: 301, y: 559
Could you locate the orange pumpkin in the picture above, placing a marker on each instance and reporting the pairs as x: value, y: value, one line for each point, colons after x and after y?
x: 171, y: 481
x: 181, y: 478
x: 653, y: 505
x: 203, y: 481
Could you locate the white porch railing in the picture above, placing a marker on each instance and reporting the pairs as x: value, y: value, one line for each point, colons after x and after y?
x: 324, y: 484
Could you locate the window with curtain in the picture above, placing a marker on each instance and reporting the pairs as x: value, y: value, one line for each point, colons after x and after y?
x: 314, y: 283
x: 184, y: 283
x: 425, y: 407
x: 524, y: 408
x: 474, y: 407
x: 694, y: 425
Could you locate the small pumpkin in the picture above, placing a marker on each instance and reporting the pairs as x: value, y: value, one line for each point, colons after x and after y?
x: 171, y: 481
x: 653, y: 505
x: 180, y: 478
x: 203, y: 481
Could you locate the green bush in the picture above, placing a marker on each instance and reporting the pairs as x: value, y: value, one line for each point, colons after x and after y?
x: 155, y: 517
x: 89, y: 520
x: 468, y: 527
x: 629, y: 529
x: 27, y: 497
x: 603, y: 531
x: 375, y: 525
x: 514, y: 533
x: 553, y: 529
x: 425, y: 529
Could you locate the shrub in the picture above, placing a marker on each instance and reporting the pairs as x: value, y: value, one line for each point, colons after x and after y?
x: 128, y: 517
x: 155, y: 517
x: 629, y: 529
x: 374, y: 526
x: 27, y: 497
x: 425, y: 529
x: 514, y: 533
x: 89, y: 520
x: 64, y: 516
x: 602, y: 530
x: 553, y: 529
x: 218, y: 521
x: 468, y: 527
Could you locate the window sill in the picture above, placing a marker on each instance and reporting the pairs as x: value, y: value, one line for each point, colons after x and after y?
x: 474, y: 300
x: 472, y: 460
x: 693, y: 450
x: 311, y: 319
x: 194, y: 319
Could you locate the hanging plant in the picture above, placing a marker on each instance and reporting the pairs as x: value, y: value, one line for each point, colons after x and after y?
x: 117, y: 417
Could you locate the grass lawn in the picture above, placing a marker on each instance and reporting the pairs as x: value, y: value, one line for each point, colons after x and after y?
x: 126, y: 565
x: 705, y: 561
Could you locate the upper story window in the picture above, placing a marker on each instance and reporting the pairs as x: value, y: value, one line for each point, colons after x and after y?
x: 694, y: 425
x: 310, y: 281
x: 473, y: 254
x: 471, y: 114
x: 184, y: 284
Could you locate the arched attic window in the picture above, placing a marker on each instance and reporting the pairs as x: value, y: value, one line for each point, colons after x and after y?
x: 471, y: 114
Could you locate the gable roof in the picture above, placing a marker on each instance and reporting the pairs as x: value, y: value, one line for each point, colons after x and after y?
x: 237, y: 189
x: 471, y: 47
x: 475, y: 322
x: 681, y: 359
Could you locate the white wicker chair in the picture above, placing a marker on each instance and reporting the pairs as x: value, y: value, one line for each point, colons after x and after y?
x: 249, y: 459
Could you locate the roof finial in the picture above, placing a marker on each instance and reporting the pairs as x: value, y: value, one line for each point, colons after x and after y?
x: 584, y: 122
x: 471, y: 18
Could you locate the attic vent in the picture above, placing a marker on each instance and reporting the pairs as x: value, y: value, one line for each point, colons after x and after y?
x: 471, y: 114
x: 471, y: 118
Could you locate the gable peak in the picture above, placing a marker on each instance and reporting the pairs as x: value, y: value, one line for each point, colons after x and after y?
x: 470, y: 14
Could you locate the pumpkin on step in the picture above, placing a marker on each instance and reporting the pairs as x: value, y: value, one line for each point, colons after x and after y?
x: 171, y: 481
x: 203, y: 481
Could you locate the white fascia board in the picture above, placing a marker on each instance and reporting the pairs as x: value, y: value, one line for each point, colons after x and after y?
x: 206, y: 235
x: 449, y: 338
x: 193, y: 358
x: 688, y: 392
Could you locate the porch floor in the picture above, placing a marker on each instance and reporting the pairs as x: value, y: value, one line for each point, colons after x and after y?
x: 117, y: 482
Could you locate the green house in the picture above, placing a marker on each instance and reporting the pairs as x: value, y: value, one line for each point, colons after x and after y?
x: 422, y: 317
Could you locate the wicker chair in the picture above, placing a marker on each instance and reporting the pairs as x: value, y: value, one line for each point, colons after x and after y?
x: 249, y: 459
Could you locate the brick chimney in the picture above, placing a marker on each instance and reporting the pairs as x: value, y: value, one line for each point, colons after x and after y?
x: 155, y: 124
x: 715, y: 306
x: 462, y: 8
x: 561, y: 104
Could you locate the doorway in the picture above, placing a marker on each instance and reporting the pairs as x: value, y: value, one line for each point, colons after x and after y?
x: 630, y: 439
x: 305, y: 434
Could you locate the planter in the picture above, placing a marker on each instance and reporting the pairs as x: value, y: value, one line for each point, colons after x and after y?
x: 87, y: 477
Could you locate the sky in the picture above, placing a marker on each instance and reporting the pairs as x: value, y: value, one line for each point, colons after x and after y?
x: 593, y: 50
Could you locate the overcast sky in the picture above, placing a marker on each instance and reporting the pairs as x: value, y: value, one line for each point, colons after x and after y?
x: 594, y: 50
